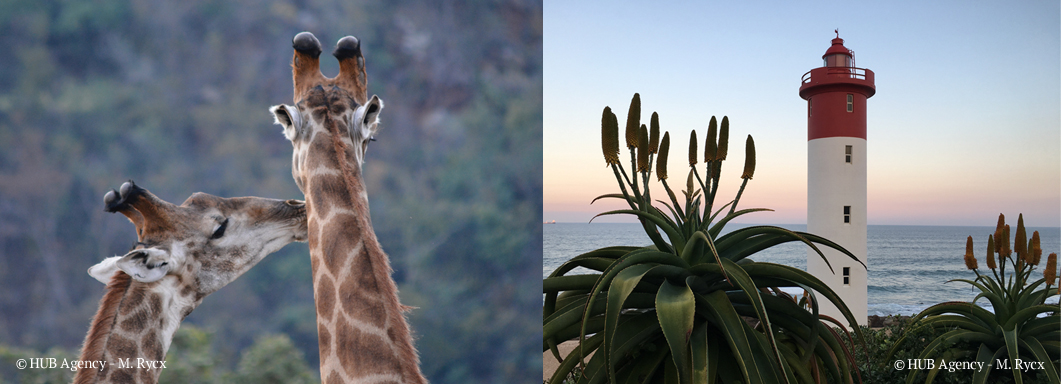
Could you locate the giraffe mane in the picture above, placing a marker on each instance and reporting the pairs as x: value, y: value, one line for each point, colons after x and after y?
x: 102, y: 325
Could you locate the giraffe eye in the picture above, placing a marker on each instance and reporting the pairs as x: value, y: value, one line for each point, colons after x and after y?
x: 220, y: 231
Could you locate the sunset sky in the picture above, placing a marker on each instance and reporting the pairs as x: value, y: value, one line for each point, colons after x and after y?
x: 965, y: 124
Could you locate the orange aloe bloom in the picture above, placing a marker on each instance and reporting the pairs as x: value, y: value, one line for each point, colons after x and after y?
x: 1035, y: 251
x: 991, y: 252
x: 1050, y: 273
x: 970, y: 260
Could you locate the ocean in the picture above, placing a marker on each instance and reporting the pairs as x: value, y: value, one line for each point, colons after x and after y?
x: 909, y: 266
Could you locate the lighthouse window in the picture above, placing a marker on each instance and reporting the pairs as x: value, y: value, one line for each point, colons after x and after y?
x: 810, y: 105
x: 847, y: 214
x: 850, y: 102
x: 847, y: 154
x: 847, y: 275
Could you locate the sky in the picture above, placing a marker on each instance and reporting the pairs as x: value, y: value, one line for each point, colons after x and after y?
x: 965, y: 124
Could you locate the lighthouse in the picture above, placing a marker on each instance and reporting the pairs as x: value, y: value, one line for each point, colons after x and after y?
x: 836, y: 96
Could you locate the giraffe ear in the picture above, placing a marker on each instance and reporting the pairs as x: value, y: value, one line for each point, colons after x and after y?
x: 145, y: 265
x: 288, y: 117
x: 371, y: 113
x: 367, y: 120
x: 105, y: 269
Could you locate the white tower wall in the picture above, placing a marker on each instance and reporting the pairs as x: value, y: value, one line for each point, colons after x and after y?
x: 832, y: 184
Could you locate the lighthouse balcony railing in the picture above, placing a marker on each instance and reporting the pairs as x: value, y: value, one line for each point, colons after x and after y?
x: 822, y: 74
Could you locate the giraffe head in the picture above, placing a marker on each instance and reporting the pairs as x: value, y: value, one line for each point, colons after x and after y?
x: 204, y: 243
x: 331, y: 117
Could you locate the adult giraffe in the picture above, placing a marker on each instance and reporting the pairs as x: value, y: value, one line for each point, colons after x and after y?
x: 183, y: 254
x: 360, y: 323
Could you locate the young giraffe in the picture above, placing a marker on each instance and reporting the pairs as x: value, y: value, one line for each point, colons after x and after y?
x: 360, y: 323
x: 183, y: 254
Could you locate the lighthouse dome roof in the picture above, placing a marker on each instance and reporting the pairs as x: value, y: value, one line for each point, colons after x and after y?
x: 837, y: 47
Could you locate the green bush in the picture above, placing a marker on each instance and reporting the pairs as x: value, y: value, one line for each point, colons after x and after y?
x: 691, y: 307
x: 273, y: 359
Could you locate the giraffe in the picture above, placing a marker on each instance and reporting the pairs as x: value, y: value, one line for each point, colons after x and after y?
x: 360, y: 323
x: 183, y: 254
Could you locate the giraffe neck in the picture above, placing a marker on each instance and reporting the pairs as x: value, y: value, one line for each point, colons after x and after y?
x: 132, y: 330
x: 360, y: 322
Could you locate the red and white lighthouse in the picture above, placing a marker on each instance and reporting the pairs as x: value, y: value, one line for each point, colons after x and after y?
x: 836, y: 96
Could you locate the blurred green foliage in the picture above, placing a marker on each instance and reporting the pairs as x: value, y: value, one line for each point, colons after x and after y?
x: 174, y: 95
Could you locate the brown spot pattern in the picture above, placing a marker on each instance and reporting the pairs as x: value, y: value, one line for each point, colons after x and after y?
x: 120, y: 376
x: 314, y: 263
x: 314, y: 233
x: 363, y: 269
x: 156, y: 303
x: 360, y: 306
x: 136, y: 322
x: 363, y: 350
x: 325, y: 297
x: 133, y: 300
x: 334, y: 378
x: 336, y: 248
x: 325, y: 341
x: 153, y: 347
x: 121, y: 347
x: 147, y: 375
x: 332, y: 189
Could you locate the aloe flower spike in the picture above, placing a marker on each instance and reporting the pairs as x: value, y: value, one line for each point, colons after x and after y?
x: 998, y: 233
x: 1035, y: 250
x: 692, y: 148
x: 1020, y: 242
x: 711, y: 146
x: 749, y: 158
x: 653, y: 134
x: 970, y: 260
x: 723, y: 140
x: 991, y: 252
x: 642, y: 149
x: 1050, y: 273
x: 1006, y: 251
x: 633, y: 121
x: 610, y: 137
x: 661, y: 159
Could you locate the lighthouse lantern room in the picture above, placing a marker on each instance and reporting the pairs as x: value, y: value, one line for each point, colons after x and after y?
x: 836, y: 96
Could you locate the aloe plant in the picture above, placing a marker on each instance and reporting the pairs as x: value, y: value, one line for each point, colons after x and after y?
x: 1022, y: 326
x: 691, y: 307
